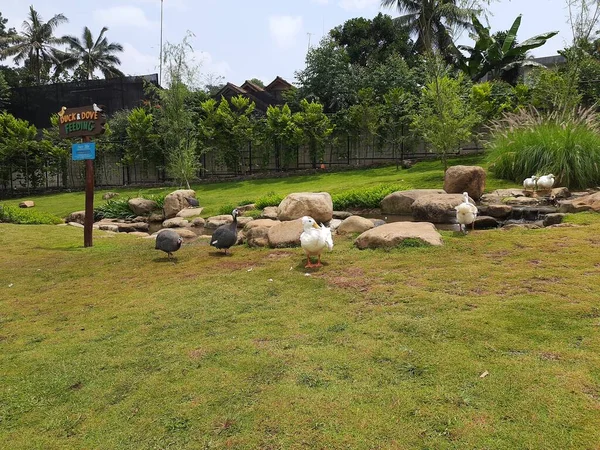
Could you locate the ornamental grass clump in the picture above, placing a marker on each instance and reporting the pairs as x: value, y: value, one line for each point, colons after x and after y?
x: 529, y: 142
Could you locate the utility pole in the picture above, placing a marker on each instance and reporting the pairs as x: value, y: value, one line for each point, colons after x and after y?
x: 161, y: 44
x: 309, y: 35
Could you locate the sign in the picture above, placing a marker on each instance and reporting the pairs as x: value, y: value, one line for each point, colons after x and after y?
x: 85, y: 150
x: 83, y: 121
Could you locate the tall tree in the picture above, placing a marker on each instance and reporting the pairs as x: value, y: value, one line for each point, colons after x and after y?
x: 432, y: 22
x: 35, y: 45
x: 87, y: 55
x: 372, y: 41
x: 4, y: 33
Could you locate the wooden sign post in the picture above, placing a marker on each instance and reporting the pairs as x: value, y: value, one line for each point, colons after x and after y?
x: 84, y: 122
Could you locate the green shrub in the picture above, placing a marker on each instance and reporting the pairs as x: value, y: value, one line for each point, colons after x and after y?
x: 254, y: 213
x: 226, y: 209
x: 529, y: 143
x: 158, y: 198
x: 364, y: 198
x: 271, y: 199
x: 114, y: 209
x: 13, y: 214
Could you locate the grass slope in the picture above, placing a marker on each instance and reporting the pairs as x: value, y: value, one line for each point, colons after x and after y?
x: 214, y: 196
x: 113, y: 347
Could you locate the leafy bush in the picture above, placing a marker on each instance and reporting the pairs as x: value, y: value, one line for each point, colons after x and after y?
x: 529, y: 143
x: 158, y: 198
x: 364, y: 198
x: 114, y: 209
x: 226, y: 209
x: 254, y: 213
x: 271, y: 199
x: 13, y: 214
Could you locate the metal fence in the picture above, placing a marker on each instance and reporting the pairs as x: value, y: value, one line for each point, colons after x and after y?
x: 109, y: 171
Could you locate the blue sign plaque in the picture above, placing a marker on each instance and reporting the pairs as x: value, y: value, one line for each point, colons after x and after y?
x: 82, y: 151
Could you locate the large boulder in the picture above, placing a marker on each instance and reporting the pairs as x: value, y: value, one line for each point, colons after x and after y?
x: 393, y: 234
x: 142, y: 206
x: 285, y: 234
x: 256, y: 232
x: 459, y: 179
x: 270, y: 212
x: 436, y: 208
x: 77, y: 217
x: 175, y: 202
x: 496, y: 211
x: 175, y: 222
x: 133, y: 226
x: 317, y: 205
x: 355, y: 224
x: 586, y: 203
x: 212, y: 223
x: 400, y: 202
x: 190, y: 212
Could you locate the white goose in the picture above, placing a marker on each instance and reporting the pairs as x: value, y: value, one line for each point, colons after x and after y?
x: 466, y: 213
x: 529, y: 184
x: 314, y: 239
x: 545, y: 182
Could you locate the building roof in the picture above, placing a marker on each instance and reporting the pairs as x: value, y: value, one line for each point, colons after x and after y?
x: 262, y: 97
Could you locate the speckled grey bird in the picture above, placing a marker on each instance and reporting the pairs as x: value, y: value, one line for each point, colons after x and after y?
x: 226, y: 235
x: 192, y: 202
x: 168, y: 241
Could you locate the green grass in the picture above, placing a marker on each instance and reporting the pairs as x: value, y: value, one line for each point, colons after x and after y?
x: 26, y: 216
x: 114, y: 347
x: 214, y: 196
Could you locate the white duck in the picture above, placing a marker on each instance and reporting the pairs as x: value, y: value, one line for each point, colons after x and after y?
x: 545, y: 182
x: 314, y: 239
x: 529, y: 184
x: 466, y: 213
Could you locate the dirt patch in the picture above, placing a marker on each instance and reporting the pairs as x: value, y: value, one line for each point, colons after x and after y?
x: 549, y: 356
x: 197, y: 353
x: 279, y: 254
x: 353, y: 278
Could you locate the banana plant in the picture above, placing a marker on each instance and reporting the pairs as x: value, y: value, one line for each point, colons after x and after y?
x: 494, y: 56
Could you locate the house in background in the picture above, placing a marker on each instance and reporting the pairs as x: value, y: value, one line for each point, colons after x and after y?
x: 270, y: 95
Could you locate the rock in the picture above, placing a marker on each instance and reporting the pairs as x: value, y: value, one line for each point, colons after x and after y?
x: 586, y: 203
x: 341, y: 215
x: 75, y: 224
x: 257, y: 232
x: 437, y: 208
x: 502, y: 193
x: 198, y: 222
x: 212, y: 223
x: 175, y: 222
x: 77, y: 216
x: 185, y: 233
x: 27, y: 204
x: 140, y: 219
x: 459, y: 179
x: 245, y: 208
x: 355, y: 224
x: 400, y: 202
x: 393, y: 234
x: 526, y: 226
x: 407, y: 163
x: 142, y: 206
x: 133, y: 226
x: 189, y: 212
x: 270, y: 212
x: 334, y: 224
x: 560, y: 193
x: 285, y: 234
x: 156, y: 217
x: 522, y: 201
x: 553, y: 219
x: 485, y: 222
x: 108, y: 227
x: 317, y: 205
x: 175, y: 202
x: 109, y: 195
x: 496, y: 211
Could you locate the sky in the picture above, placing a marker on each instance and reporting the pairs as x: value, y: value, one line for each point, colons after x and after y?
x: 262, y: 39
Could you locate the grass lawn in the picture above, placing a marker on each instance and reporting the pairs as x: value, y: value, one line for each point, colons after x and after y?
x: 216, y: 195
x: 113, y: 347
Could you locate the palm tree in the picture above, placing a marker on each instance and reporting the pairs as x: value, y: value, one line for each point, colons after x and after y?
x: 34, y: 46
x: 86, y: 56
x: 432, y: 21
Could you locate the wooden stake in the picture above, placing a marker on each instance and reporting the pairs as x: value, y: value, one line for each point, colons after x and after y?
x: 89, y: 200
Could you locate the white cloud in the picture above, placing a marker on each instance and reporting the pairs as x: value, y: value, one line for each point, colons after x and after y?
x: 134, y: 62
x: 123, y: 16
x: 351, y: 5
x: 285, y: 30
x: 320, y: 2
x: 208, y: 65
